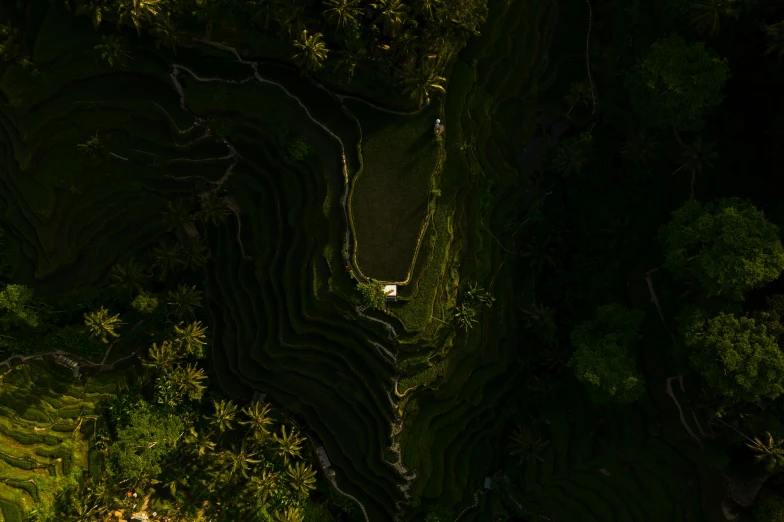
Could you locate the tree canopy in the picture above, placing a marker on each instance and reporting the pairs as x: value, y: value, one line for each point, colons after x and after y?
x: 602, y: 359
x: 677, y: 84
x: 727, y: 246
x: 737, y: 357
x: 144, y: 443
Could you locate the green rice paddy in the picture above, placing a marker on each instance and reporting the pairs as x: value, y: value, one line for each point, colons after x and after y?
x: 47, y: 421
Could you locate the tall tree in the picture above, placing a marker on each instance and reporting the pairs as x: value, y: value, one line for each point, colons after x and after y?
x: 112, y: 50
x: 311, y: 51
x: 102, y: 325
x: 138, y: 12
x: 191, y: 338
x: 184, y: 300
x: 737, y: 357
x: 727, y: 246
x: 603, y: 355
x: 225, y: 413
x: 774, y: 34
x: 391, y: 13
x: 342, y: 13
x: 677, y: 84
x: 128, y: 277
x: 289, y: 444
x: 168, y: 258
x: 706, y: 15
x: 289, y: 514
x: 302, y: 478
x: 265, y: 484
x: 259, y: 419
x: 145, y: 443
x: 768, y: 451
x: 189, y: 381
x: 420, y: 82
x: 526, y: 446
x: 19, y: 306
x: 214, y: 210
x: 162, y: 356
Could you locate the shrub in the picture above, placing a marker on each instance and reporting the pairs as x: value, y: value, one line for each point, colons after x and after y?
x: 299, y: 149
x: 145, y: 303
x: 373, y: 293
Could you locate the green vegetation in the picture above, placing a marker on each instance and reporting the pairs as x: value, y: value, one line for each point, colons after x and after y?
x: 736, y: 356
x: 202, y: 203
x: 603, y: 357
x: 727, y: 246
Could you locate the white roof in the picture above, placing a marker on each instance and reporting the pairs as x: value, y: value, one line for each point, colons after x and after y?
x: 390, y: 290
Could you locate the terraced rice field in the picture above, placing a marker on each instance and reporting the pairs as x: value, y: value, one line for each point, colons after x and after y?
x: 391, y: 195
x: 284, y: 310
x: 47, y: 418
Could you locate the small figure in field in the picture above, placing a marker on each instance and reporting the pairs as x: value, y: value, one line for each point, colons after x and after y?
x: 438, y: 129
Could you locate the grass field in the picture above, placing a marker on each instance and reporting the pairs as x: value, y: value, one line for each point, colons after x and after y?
x: 390, y: 195
x: 47, y: 418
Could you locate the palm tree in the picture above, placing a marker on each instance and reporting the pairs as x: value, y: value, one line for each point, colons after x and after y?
x: 184, y: 300
x: 94, y: 9
x: 258, y: 419
x: 639, y: 148
x: 301, y: 478
x: 112, y: 50
x: 541, y: 319
x: 289, y: 444
x: 223, y: 418
x: 265, y: 484
x: 128, y: 277
x: 342, y: 13
x: 466, y: 316
x: 194, y: 254
x: 347, y: 62
x: 168, y: 258
x: 290, y: 19
x: 290, y: 514
x: 428, y: 8
x: 176, y: 214
x: 570, y: 157
x: 775, y: 36
x: 526, y: 446
x: 199, y: 444
x: 769, y: 452
x: 391, y: 13
x: 240, y: 461
x: 311, y: 51
x: 102, y: 325
x: 92, y: 148
x: 163, y: 356
x: 264, y: 9
x: 188, y: 380
x: 540, y: 252
x: 138, y: 11
x: 421, y: 81
x: 191, y: 338
x: 697, y: 158
x: 167, y: 35
x: 707, y: 14
x: 580, y: 93
x: 213, y: 210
